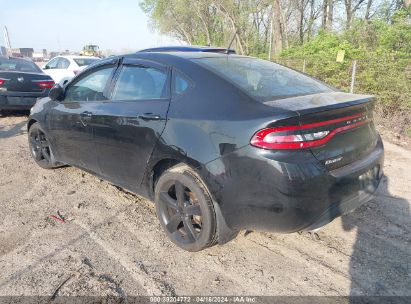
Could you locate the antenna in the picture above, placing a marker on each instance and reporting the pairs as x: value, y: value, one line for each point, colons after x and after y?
x: 227, y: 51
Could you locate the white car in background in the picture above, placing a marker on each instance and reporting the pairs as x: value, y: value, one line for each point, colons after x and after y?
x: 63, y: 68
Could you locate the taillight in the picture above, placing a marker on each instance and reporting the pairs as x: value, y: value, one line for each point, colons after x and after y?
x: 44, y: 84
x: 306, y: 136
x: 2, y: 81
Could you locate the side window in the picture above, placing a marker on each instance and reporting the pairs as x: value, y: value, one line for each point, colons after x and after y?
x: 52, y: 64
x: 63, y: 63
x: 180, y: 83
x: 140, y: 83
x: 89, y: 87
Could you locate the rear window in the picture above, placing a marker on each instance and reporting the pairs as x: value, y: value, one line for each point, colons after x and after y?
x: 263, y: 80
x: 18, y: 65
x: 180, y: 83
x: 140, y: 83
x: 84, y: 61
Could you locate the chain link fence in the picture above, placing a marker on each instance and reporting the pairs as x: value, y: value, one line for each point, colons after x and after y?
x: 388, y: 80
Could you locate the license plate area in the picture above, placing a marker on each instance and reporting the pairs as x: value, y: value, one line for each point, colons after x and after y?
x: 369, y: 180
x: 12, y: 100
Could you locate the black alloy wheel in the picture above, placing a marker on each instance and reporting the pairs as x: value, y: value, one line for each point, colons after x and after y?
x: 40, y: 147
x: 185, y: 209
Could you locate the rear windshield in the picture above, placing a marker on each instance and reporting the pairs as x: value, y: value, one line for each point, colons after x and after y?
x: 84, y: 61
x: 18, y: 65
x: 263, y: 80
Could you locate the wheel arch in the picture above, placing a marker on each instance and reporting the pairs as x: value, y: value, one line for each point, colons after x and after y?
x: 158, y: 169
x: 30, y: 123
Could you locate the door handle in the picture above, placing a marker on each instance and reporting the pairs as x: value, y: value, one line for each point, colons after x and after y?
x: 86, y: 114
x: 85, y: 118
x: 150, y: 116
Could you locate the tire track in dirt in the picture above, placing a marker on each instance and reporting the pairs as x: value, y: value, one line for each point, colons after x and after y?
x: 139, y: 276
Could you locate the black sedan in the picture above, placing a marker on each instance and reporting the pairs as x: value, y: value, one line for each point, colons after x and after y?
x: 220, y: 142
x: 21, y: 83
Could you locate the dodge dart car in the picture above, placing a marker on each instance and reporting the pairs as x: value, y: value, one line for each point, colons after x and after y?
x: 220, y: 142
x: 21, y: 83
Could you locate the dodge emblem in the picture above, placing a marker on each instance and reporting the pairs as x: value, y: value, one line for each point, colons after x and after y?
x: 20, y: 79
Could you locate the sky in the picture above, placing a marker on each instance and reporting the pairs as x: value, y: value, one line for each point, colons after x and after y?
x: 57, y: 25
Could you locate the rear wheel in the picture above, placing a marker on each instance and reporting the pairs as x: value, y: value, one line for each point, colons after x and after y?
x: 40, y: 147
x: 185, y: 209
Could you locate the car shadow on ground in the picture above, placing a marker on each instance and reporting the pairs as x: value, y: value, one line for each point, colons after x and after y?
x: 380, y: 265
x: 16, y: 129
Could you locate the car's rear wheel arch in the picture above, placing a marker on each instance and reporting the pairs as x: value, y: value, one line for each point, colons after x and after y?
x: 158, y: 169
x: 163, y: 165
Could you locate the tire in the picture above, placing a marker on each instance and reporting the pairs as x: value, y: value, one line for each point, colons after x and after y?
x: 185, y: 209
x: 40, y: 148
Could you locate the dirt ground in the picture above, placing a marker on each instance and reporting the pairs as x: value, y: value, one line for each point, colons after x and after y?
x: 112, y: 243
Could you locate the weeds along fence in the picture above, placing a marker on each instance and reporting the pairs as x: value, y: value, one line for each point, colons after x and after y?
x: 388, y: 80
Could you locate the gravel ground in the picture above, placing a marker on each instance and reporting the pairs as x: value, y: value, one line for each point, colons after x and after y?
x: 111, y: 242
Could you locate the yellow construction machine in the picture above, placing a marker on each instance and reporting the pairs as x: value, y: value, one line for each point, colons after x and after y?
x: 91, y: 50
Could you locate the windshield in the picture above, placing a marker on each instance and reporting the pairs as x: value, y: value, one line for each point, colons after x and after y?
x: 263, y: 80
x: 18, y: 65
x: 84, y: 61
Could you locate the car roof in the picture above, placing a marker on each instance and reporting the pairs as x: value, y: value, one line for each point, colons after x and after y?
x: 76, y: 57
x: 184, y: 55
x: 175, y: 59
x: 164, y: 58
x: 188, y: 48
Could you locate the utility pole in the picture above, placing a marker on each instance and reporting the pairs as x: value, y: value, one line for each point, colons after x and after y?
x: 354, y: 70
x: 7, y: 38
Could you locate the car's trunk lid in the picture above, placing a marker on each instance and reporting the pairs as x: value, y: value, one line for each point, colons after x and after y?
x: 349, y: 117
x: 22, y: 81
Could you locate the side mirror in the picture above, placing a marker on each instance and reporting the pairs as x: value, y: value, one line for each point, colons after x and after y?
x: 56, y: 93
x: 46, y: 67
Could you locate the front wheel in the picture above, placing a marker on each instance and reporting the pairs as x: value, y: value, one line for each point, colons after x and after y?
x: 40, y: 148
x: 185, y: 209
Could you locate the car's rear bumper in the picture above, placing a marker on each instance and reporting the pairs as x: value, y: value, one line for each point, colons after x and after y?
x: 19, y: 101
x: 361, y: 178
x: 288, y: 191
x: 341, y: 208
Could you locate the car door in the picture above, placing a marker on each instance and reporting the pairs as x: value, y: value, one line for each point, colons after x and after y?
x: 51, y: 68
x: 72, y: 134
x: 127, y: 128
x: 62, y: 71
x: 57, y: 69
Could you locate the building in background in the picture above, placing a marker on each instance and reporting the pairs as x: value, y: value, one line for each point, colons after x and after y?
x: 21, y: 52
x: 40, y: 56
x: 27, y: 52
x: 54, y: 54
x: 14, y: 52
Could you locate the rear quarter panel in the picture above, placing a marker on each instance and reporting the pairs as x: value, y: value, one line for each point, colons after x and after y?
x: 213, y: 118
